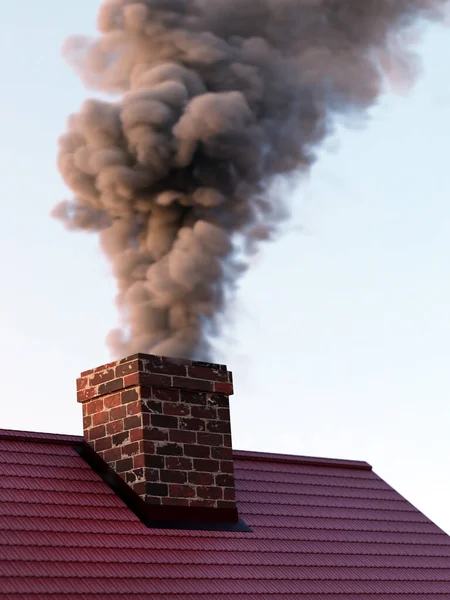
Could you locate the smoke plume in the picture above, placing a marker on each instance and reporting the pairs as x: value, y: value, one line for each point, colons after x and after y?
x: 211, y: 101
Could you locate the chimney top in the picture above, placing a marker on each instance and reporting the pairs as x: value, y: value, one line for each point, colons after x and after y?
x: 163, y: 426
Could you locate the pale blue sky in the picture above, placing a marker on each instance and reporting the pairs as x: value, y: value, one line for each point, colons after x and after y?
x: 340, y: 340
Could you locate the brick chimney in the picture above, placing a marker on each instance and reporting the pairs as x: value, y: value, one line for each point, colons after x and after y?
x: 163, y: 425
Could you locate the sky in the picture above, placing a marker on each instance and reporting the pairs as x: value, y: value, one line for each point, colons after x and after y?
x: 339, y: 337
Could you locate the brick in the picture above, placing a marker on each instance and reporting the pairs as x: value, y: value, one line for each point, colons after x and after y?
x: 209, y: 492
x: 86, y: 394
x: 209, y: 365
x: 226, y: 466
x: 175, y: 501
x: 96, y: 432
x: 227, y: 440
x: 130, y: 449
x: 170, y: 449
x: 182, y: 410
x: 197, y: 451
x: 153, y: 433
x: 205, y: 464
x: 164, y: 394
x: 155, y: 379
x: 127, y: 368
x: 119, y: 438
x: 224, y: 414
x: 82, y: 383
x: 218, y: 427
x: 157, y: 489
x: 221, y: 453
x: 147, y: 447
x: 164, y: 421
x: 100, y: 418
x: 201, y: 478
x: 156, y: 462
x: 229, y: 494
x: 112, y: 401
x: 169, y: 476
x: 133, y: 408
x: 145, y: 474
x: 220, y: 400
x: 102, y: 444
x: 192, y: 424
x: 112, y: 455
x: 129, y: 396
x: 124, y: 465
x: 194, y: 384
x: 207, y: 373
x: 129, y: 380
x: 192, y: 397
x: 136, y: 434
x: 132, y: 422
x: 168, y: 369
x: 109, y: 365
x: 87, y: 422
x: 209, y: 439
x: 223, y: 388
x: 202, y: 502
x: 95, y: 406
x: 183, y: 491
x: 114, y: 427
x: 118, y: 413
x: 152, y: 406
x: 226, y: 504
x: 139, y: 460
x: 185, y: 437
x: 204, y: 412
x: 101, y: 377
x: 224, y: 480
x: 178, y: 462
x: 110, y: 386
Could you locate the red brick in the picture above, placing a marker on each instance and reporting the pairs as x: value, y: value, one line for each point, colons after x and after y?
x: 127, y: 368
x: 139, y: 460
x: 114, y: 427
x: 186, y: 437
x: 132, y: 379
x: 164, y: 421
x: 208, y: 374
x: 210, y: 439
x: 218, y: 400
x: 120, y: 438
x: 170, y: 450
x: 226, y: 504
x: 129, y: 396
x: 175, y: 501
x: 82, y: 383
x: 100, y: 418
x: 112, y: 401
x: 134, y: 408
x: 132, y: 422
x: 204, y: 464
x: 86, y: 394
x: 179, y: 462
x: 96, y: 432
x: 155, y: 379
x: 169, y: 476
x: 167, y: 369
x: 147, y: 447
x: 181, y: 491
x: 164, y: 394
x: 192, y: 397
x: 110, y: 386
x: 224, y: 414
x: 202, y: 502
x: 194, y: 384
x: 102, y: 444
x: 223, y: 388
x: 152, y: 406
x: 209, y: 492
x: 101, y: 377
x: 87, y: 422
x: 104, y: 367
x: 124, y: 465
x: 226, y: 466
x: 201, y: 478
x: 113, y: 455
x: 197, y: 451
x: 227, y: 440
x: 222, y: 453
x: 153, y: 433
x: 229, y: 494
x: 95, y: 406
x: 178, y: 409
x: 130, y: 449
x: 192, y: 424
x: 118, y: 413
x: 224, y: 480
x: 218, y: 426
x: 136, y: 434
x: 157, y: 489
x: 204, y: 412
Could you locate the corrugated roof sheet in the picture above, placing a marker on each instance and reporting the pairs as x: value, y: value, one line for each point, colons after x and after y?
x: 321, y: 528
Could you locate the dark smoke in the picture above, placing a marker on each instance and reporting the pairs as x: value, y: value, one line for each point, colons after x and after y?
x: 214, y: 99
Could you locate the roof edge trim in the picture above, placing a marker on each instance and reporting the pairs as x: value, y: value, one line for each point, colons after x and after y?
x: 301, y: 460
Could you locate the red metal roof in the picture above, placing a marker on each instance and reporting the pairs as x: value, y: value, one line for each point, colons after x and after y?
x: 321, y: 528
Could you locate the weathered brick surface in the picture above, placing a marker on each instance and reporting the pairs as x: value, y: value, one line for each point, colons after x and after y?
x: 164, y: 426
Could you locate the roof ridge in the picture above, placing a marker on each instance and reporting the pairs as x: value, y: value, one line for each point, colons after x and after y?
x: 39, y: 437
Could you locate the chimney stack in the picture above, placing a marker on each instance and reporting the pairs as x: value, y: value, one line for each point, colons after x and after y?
x: 163, y: 426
